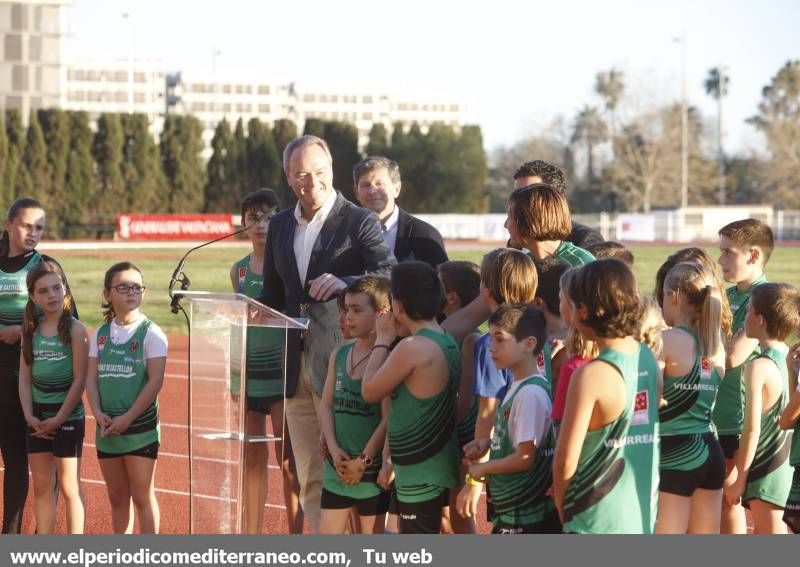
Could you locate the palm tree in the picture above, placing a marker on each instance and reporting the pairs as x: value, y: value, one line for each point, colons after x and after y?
x: 610, y: 85
x: 591, y: 130
x: 716, y: 85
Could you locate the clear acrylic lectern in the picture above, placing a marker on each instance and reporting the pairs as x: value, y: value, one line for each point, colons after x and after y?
x: 218, y: 324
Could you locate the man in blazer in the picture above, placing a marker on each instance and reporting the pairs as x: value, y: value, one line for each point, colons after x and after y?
x: 313, y: 251
x: 377, y: 185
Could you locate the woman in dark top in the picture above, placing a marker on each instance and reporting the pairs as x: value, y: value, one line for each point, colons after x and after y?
x: 24, y: 227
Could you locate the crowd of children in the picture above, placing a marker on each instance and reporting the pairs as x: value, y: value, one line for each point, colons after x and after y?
x: 585, y: 407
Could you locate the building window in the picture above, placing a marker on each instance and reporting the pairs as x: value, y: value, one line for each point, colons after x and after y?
x: 263, y: 89
x: 226, y: 89
x: 263, y: 109
x: 13, y: 51
x: 19, y: 78
x: 366, y: 99
x: 121, y: 76
x: 19, y: 17
x: 121, y: 96
x: 139, y: 97
x: 453, y: 108
x: 366, y: 116
x: 139, y: 77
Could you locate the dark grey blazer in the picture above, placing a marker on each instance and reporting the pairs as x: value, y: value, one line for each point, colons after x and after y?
x: 418, y: 240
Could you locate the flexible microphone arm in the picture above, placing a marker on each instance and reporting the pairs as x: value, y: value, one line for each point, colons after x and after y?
x: 179, y: 277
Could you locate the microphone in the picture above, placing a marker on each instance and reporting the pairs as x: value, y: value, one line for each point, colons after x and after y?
x: 179, y: 277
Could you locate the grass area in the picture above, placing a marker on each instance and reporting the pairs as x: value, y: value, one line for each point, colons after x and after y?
x: 209, y: 271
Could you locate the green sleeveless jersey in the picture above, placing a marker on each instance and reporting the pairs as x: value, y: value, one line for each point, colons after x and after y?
x: 265, y: 345
x: 728, y: 412
x: 573, y: 255
x: 121, y: 376
x: 544, y: 365
x: 51, y: 377
x: 618, y: 468
x: 465, y: 429
x: 354, y: 422
x: 521, y: 498
x: 690, y: 398
x: 422, y: 436
x: 14, y: 293
x: 770, y: 475
x: 794, y: 456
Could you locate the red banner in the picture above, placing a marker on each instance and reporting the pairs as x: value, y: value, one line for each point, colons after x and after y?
x: 174, y: 227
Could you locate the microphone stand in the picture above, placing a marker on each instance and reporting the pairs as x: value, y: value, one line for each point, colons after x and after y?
x: 178, y: 276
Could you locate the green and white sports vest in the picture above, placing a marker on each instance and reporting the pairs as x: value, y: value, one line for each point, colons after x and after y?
x: 51, y: 377
x: 121, y: 377
x: 422, y: 436
x: 521, y: 498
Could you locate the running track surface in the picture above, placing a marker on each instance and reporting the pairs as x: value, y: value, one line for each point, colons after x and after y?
x: 172, y: 470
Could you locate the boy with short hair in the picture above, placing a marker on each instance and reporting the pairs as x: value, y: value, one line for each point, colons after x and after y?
x: 421, y: 376
x: 507, y: 276
x: 461, y: 280
x: 539, y: 220
x: 519, y: 470
x: 763, y: 474
x: 611, y: 249
x: 745, y: 247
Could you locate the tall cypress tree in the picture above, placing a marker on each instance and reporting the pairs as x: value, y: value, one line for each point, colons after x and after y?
x: 378, y: 144
x: 36, y: 181
x: 262, y: 162
x: 145, y: 185
x: 79, y: 184
x: 55, y: 127
x: 107, y: 152
x: 342, y: 140
x: 217, y: 168
x: 181, y: 148
x: 283, y: 132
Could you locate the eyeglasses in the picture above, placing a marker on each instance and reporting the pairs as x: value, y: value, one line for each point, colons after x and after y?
x: 124, y: 288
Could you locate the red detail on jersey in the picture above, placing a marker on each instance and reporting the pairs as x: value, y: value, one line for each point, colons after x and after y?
x: 540, y: 360
x: 134, y: 346
x: 507, y: 413
x: 242, y: 273
x: 101, y: 341
x: 641, y: 401
x: 706, y: 363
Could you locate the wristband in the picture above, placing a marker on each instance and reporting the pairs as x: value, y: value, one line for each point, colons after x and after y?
x: 472, y: 481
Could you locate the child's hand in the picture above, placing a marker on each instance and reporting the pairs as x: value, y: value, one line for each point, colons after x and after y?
x: 338, y: 455
x: 467, y: 501
x: 385, y: 327
x: 733, y: 494
x: 476, y: 449
x: 118, y: 425
x: 10, y: 334
x: 33, y: 421
x: 793, y: 359
x: 386, y: 475
x: 323, y: 447
x: 47, y: 428
x: 351, y: 471
x: 476, y: 470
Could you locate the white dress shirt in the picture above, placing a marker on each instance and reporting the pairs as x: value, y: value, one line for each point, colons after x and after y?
x: 389, y: 229
x: 307, y: 232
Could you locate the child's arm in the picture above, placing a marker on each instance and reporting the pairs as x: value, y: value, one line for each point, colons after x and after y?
x: 326, y: 413
x: 234, y: 278
x: 465, y: 396
x: 739, y: 349
x: 754, y: 377
x: 80, y: 354
x: 93, y: 394
x: 155, y: 379
x: 519, y: 461
x: 581, y: 398
x: 25, y: 395
x: 378, y: 438
x: 462, y: 322
x: 789, y: 415
x: 384, y: 371
x: 793, y: 365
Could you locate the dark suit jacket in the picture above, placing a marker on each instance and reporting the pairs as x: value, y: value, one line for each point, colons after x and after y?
x: 349, y: 245
x: 417, y: 240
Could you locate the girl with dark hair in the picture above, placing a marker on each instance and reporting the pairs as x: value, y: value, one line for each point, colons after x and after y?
x: 52, y: 374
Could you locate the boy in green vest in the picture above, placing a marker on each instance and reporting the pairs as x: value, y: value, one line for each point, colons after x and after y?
x: 745, y: 247
x: 519, y: 470
x: 421, y: 377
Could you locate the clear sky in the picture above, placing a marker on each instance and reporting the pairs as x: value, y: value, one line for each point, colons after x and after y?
x: 517, y: 64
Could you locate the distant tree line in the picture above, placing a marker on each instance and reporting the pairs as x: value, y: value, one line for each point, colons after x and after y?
x: 85, y: 176
x: 624, y: 154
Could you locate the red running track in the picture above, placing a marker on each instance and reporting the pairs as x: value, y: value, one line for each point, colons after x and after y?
x: 172, y: 469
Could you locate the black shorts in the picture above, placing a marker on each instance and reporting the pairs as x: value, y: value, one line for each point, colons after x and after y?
x: 378, y: 504
x: 729, y: 444
x: 791, y: 511
x: 67, y: 442
x: 148, y: 451
x: 708, y: 476
x: 551, y: 524
x: 262, y: 405
x: 422, y: 517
